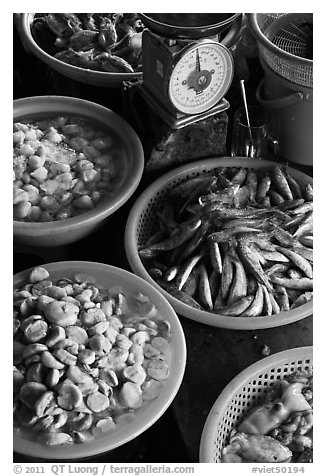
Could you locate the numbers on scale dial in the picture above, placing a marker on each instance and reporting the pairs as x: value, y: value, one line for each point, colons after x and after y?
x: 200, y: 78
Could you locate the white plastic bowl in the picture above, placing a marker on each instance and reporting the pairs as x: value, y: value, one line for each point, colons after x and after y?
x: 244, y: 392
x: 141, y: 222
x: 151, y: 411
x: 62, y: 232
x: 87, y: 76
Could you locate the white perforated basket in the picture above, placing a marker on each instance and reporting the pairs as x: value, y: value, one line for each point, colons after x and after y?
x: 245, y: 391
x: 283, y: 44
x: 141, y: 224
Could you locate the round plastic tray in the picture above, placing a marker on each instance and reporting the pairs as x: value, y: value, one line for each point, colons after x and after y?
x: 151, y: 411
x: 62, y: 232
x: 141, y: 223
x: 83, y: 75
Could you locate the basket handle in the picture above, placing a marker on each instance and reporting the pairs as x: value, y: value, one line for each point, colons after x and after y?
x: 279, y: 102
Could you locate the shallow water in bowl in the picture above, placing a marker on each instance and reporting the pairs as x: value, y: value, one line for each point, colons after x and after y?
x: 101, y: 148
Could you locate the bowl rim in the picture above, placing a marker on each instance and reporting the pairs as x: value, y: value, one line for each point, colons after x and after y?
x: 220, y: 406
x: 156, y: 408
x: 114, y: 121
x: 25, y: 22
x: 216, y: 320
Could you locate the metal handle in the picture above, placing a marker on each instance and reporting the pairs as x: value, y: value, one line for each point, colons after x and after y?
x: 128, y: 96
x: 233, y: 34
x: 279, y: 102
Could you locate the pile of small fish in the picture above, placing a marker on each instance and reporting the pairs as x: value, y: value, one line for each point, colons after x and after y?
x: 108, y: 42
x: 235, y: 241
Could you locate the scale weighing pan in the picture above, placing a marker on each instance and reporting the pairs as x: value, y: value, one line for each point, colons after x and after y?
x: 188, y: 25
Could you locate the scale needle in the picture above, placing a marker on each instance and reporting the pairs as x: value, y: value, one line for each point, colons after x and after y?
x: 197, y: 60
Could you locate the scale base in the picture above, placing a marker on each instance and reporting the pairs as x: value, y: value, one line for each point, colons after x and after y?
x: 167, y: 147
x: 177, y: 120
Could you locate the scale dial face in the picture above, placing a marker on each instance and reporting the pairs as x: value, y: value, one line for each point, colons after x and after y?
x: 200, y: 77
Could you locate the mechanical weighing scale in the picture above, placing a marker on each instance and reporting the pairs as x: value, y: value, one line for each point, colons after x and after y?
x: 186, y: 70
x: 179, y: 106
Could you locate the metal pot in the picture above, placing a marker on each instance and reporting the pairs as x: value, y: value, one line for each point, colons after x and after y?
x: 291, y: 108
x: 181, y: 25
